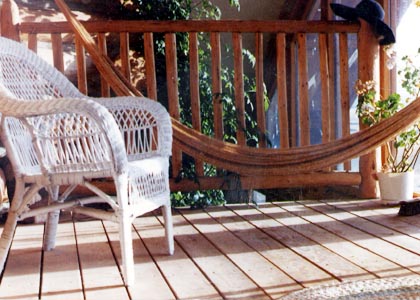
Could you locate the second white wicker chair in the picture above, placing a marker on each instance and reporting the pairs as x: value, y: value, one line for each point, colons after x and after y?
x: 55, y: 136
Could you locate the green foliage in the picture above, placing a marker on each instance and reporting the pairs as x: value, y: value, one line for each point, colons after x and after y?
x: 403, y: 150
x: 372, y: 111
x: 173, y: 9
x: 184, y: 10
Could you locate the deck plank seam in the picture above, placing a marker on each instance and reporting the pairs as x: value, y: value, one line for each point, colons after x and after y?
x: 253, y: 248
x: 293, y: 250
x: 256, y: 250
x: 379, y: 224
x: 227, y: 256
x: 373, y: 236
x: 152, y: 257
x: 311, y: 261
x: 342, y: 237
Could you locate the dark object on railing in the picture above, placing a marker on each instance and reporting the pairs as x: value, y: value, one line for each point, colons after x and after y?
x: 372, y: 12
x: 410, y: 208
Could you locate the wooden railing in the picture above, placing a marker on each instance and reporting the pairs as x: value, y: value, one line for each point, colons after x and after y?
x: 279, y: 47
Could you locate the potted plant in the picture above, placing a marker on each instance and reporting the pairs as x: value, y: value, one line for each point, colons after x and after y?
x: 396, y: 179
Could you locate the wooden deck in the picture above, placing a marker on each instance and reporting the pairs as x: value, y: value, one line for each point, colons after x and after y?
x: 235, y: 252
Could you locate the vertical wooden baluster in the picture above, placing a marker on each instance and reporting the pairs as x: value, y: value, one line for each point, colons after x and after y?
x: 33, y: 42
x: 332, y: 81
x: 305, y: 136
x: 124, y: 54
x: 282, y: 106
x: 195, y: 93
x: 325, y: 87
x: 239, y: 87
x: 81, y: 66
x: 57, y: 51
x: 105, y: 89
x: 173, y: 99
x: 293, y: 96
x: 216, y: 66
x: 344, y: 89
x: 259, y: 75
x: 149, y: 55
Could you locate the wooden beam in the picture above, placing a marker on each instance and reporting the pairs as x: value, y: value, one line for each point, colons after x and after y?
x: 10, y: 20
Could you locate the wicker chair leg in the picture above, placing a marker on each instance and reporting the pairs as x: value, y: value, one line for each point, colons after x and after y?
x: 52, y: 221
x: 7, y: 237
x: 11, y: 222
x: 126, y: 243
x: 167, y: 216
x: 51, y: 230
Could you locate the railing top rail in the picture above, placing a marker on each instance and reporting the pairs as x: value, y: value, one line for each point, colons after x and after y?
x: 282, y: 26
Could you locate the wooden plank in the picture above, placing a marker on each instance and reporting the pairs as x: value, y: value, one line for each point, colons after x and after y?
x: 325, y: 88
x: 265, y: 182
x: 387, y: 216
x: 256, y: 267
x: 147, y: 274
x: 283, y: 113
x: 10, y: 20
x: 149, y: 55
x: 292, y: 261
x: 326, y: 259
x: 21, y: 278
x: 310, y: 223
x: 216, y: 67
x: 232, y: 282
x: 61, y: 279
x: 173, y: 94
x: 172, y: 74
x: 293, y: 95
x: 195, y: 93
x: 101, y: 277
x: 379, y: 226
x: 57, y: 51
x: 241, y: 26
x: 304, y: 122
x: 361, y: 232
x: 181, y: 271
x: 213, y: 245
x: 344, y: 90
x: 105, y: 88
x: 33, y: 42
x: 124, y: 55
x: 259, y: 97
x: 262, y: 245
x: 81, y: 66
x: 238, y: 82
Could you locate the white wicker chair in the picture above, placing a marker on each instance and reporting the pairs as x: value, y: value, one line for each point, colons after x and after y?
x: 55, y: 136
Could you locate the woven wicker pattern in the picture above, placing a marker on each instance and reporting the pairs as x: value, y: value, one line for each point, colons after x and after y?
x: 398, y: 288
x: 56, y: 136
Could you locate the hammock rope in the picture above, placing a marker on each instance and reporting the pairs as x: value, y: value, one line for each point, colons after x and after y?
x: 255, y: 161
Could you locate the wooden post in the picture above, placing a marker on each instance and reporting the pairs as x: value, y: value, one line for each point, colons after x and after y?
x: 10, y: 20
x: 368, y: 48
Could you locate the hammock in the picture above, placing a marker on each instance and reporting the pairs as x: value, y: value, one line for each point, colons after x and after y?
x: 255, y: 161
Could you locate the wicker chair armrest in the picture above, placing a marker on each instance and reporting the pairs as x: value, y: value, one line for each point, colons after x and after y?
x: 68, y: 113
x: 144, y: 123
